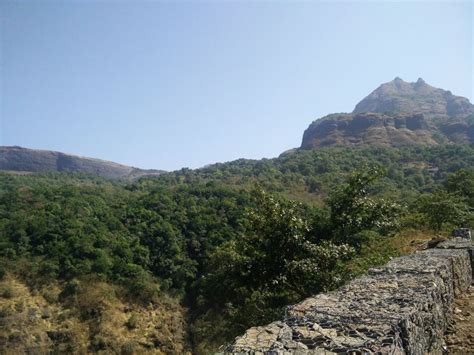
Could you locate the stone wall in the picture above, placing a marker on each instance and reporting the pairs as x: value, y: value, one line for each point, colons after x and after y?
x: 403, y: 307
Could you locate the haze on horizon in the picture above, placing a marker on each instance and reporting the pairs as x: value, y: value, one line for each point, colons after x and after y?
x: 168, y: 85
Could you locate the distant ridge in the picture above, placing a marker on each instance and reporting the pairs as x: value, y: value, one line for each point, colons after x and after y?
x: 14, y: 158
x: 396, y: 114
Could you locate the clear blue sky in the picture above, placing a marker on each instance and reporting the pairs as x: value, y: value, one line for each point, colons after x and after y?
x: 184, y: 84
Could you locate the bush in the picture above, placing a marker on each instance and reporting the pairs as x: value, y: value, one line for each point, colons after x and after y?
x: 99, y: 343
x: 128, y: 348
x: 8, y: 293
x: 5, y: 312
x: 132, y: 322
x: 51, y: 296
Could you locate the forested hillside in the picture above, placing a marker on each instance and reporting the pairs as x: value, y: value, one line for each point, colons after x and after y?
x: 189, y: 259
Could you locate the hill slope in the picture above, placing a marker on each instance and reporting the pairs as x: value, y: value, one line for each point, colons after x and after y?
x: 187, y: 260
x: 113, y: 265
x: 34, y: 160
x: 397, y: 114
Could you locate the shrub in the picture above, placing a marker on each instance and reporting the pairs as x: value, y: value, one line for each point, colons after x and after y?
x: 50, y: 295
x: 132, y: 322
x: 128, y: 348
x: 8, y: 293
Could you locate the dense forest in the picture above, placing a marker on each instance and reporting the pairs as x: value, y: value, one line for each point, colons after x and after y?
x: 227, y: 246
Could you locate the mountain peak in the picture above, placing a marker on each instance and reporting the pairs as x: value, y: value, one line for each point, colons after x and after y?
x: 400, y: 97
x: 397, y: 113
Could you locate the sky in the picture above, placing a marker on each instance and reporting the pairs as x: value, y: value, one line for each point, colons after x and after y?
x: 172, y: 84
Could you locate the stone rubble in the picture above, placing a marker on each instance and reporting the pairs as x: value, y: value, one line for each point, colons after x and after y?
x: 403, y: 307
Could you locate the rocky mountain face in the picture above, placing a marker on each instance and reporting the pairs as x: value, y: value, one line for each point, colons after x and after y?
x: 32, y: 160
x: 397, y: 113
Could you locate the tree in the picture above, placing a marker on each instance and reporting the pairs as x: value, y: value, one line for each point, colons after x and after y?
x: 353, y: 210
x: 275, y: 263
x: 442, y: 208
x: 461, y: 183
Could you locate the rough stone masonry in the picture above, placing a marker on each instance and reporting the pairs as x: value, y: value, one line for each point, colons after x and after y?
x: 403, y: 307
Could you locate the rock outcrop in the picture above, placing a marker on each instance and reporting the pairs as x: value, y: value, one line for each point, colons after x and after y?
x: 397, y: 114
x: 398, y: 97
x: 403, y: 307
x: 368, y: 129
x: 33, y: 160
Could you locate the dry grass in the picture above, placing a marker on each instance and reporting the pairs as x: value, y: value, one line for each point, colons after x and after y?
x: 93, y: 319
x: 406, y: 241
x: 27, y: 317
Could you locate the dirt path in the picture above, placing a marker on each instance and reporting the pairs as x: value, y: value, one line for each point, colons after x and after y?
x: 460, y: 335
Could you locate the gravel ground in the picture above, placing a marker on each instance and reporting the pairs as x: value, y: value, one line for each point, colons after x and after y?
x: 460, y: 335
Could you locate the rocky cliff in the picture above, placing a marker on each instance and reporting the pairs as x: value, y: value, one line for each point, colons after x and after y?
x: 32, y: 160
x: 403, y: 307
x: 397, y: 113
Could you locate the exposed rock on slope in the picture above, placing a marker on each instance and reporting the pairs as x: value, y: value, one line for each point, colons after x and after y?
x: 368, y: 128
x: 397, y: 114
x: 398, y: 96
x: 33, y: 160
